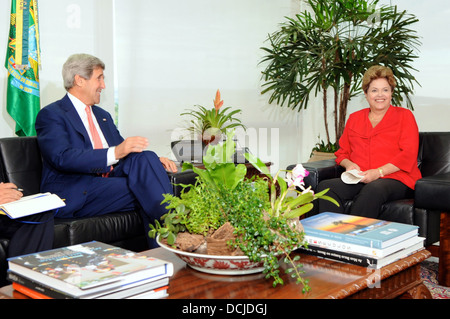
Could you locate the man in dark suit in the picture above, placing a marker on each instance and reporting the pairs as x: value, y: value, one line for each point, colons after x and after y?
x: 116, y: 175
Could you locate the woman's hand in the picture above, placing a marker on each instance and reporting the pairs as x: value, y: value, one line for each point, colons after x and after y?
x: 370, y: 176
x: 376, y: 173
x: 349, y: 165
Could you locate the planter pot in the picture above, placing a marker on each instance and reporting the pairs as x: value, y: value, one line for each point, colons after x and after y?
x: 215, y: 264
x: 318, y: 156
x: 212, y: 136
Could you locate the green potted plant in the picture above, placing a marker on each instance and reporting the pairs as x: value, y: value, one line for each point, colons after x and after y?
x: 323, y: 151
x: 328, y: 48
x: 257, y: 218
x: 211, y: 124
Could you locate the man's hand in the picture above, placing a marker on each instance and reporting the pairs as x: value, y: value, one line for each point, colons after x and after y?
x: 168, y: 164
x: 9, y: 193
x: 134, y: 144
x: 138, y: 144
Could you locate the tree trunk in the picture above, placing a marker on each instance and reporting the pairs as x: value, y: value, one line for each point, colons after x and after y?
x: 336, y: 113
x: 343, y: 110
x: 325, y: 102
x: 325, y: 114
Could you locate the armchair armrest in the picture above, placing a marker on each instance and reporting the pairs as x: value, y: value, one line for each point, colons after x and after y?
x: 319, y: 171
x: 187, y: 177
x: 433, y: 192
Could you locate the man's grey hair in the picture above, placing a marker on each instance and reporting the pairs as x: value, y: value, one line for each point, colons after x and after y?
x: 81, y: 64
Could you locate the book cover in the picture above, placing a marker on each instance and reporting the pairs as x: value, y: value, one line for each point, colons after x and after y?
x: 88, y: 268
x: 152, y: 294
x: 357, y: 229
x: 362, y: 260
x: 29, y: 292
x: 26, y: 285
x: 314, y: 241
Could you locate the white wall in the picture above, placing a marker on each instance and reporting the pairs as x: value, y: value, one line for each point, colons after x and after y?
x: 432, y: 98
x: 172, y: 55
x: 66, y: 27
x: 166, y: 56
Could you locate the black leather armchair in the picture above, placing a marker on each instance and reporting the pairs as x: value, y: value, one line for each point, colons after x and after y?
x: 21, y: 164
x: 431, y: 203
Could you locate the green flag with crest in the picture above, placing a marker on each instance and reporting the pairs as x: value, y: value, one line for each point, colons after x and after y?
x: 23, y: 62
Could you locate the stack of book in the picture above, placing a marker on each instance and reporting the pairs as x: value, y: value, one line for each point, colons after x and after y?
x: 359, y: 240
x: 92, y: 270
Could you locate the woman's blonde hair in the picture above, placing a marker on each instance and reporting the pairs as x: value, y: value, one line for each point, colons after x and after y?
x: 378, y: 72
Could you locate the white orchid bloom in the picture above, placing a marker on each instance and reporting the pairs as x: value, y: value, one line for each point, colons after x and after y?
x: 296, y: 176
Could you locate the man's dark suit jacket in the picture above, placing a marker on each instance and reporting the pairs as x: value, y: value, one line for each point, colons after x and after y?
x: 67, y: 150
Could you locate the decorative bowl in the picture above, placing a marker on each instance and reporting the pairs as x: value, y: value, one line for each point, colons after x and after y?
x: 215, y: 264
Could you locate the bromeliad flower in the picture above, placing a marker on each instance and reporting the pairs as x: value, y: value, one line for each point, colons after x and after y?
x: 217, y: 102
x: 210, y: 124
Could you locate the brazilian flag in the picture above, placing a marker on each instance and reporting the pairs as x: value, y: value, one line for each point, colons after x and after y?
x: 23, y: 61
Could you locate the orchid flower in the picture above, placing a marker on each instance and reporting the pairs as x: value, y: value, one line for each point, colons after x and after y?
x: 296, y: 176
x: 281, y: 203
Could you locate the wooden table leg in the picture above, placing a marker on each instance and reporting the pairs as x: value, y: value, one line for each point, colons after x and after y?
x: 444, y: 250
x: 419, y: 292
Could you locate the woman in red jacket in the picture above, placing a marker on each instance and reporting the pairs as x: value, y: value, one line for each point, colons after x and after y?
x: 381, y: 143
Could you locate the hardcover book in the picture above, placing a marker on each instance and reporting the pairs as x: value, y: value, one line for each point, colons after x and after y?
x: 359, y: 249
x: 358, y: 230
x: 89, y: 268
x: 362, y: 260
x: 38, y: 290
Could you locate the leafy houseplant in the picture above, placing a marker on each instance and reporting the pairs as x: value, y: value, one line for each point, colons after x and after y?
x: 322, y: 151
x: 325, y: 147
x: 329, y: 50
x: 210, y: 124
x: 264, y: 221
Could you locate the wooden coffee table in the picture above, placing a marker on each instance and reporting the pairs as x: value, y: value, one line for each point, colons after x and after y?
x: 327, y: 279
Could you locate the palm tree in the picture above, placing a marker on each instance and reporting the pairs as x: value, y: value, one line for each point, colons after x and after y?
x: 330, y: 48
